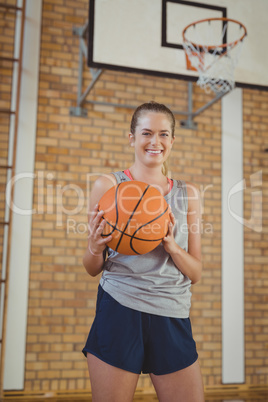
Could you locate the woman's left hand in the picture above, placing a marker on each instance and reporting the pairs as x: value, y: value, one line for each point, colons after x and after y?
x: 169, y: 241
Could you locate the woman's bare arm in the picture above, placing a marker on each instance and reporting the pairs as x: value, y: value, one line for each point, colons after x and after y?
x: 94, y: 255
x: 189, y: 263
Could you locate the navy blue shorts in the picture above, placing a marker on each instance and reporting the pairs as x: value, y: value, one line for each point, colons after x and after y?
x: 139, y: 342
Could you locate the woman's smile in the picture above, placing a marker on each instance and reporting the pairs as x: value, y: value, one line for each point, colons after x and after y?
x: 154, y: 151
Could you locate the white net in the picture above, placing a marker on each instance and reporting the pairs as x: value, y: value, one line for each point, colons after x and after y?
x: 207, y: 51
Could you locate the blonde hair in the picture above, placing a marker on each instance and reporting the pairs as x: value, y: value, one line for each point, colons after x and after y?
x: 165, y: 168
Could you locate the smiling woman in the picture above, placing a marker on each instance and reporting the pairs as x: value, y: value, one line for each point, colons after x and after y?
x: 161, y: 135
x: 144, y: 300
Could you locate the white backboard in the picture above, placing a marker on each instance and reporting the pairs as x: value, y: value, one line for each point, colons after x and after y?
x: 146, y: 36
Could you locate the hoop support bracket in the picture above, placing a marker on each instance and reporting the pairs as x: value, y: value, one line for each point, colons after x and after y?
x: 189, y: 122
x: 80, y: 111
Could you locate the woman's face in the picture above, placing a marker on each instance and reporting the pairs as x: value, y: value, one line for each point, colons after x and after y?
x: 152, y: 138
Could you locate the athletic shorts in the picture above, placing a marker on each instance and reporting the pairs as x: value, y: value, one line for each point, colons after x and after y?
x: 139, y: 342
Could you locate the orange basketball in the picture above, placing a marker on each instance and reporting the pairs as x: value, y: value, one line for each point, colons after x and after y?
x: 136, y: 215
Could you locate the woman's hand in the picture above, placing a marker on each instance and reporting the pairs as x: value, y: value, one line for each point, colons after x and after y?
x: 96, y: 225
x: 169, y: 241
x: 93, y: 258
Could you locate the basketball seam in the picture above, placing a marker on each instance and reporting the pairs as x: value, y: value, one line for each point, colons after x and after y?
x: 122, y: 232
x: 157, y: 217
x: 129, y: 219
x: 128, y: 235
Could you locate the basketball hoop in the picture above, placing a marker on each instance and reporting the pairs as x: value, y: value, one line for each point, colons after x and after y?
x: 208, y: 51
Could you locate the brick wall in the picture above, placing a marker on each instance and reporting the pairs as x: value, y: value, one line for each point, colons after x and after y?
x: 70, y: 151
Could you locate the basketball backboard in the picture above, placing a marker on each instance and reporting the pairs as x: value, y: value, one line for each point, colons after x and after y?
x: 146, y: 36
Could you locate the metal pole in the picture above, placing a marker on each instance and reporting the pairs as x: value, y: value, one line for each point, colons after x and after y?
x: 189, y: 123
x: 210, y: 103
x: 80, y: 75
x: 91, y: 85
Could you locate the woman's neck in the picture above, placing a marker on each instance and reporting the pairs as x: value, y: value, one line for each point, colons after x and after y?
x: 153, y: 176
x: 149, y: 175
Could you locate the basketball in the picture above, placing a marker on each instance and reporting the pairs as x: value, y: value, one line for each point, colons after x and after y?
x: 136, y: 215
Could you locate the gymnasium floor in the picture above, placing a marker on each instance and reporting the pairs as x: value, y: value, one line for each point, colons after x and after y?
x: 151, y: 398
x: 259, y: 396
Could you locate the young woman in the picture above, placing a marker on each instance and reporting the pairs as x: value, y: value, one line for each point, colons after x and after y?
x: 142, y: 314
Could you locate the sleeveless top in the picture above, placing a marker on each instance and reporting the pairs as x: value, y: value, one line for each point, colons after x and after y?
x: 151, y: 282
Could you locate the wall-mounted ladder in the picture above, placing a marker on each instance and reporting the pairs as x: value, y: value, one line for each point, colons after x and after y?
x: 11, y: 51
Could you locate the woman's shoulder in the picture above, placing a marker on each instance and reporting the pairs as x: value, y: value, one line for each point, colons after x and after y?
x: 105, y: 179
x: 103, y: 183
x: 193, y: 194
x: 192, y: 188
x: 191, y: 191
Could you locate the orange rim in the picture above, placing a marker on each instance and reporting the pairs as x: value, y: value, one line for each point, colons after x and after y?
x: 224, y: 45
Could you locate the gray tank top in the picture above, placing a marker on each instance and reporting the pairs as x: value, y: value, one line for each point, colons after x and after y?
x: 151, y: 282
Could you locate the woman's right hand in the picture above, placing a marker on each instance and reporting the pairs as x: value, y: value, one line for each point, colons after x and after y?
x: 94, y: 256
x: 96, y: 225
